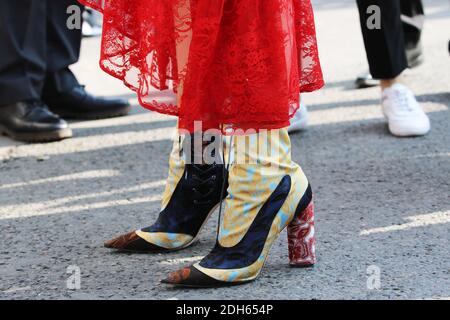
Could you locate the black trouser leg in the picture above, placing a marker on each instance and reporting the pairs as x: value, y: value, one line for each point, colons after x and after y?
x: 413, y: 12
x: 385, y: 47
x: 22, y: 50
x: 63, y: 48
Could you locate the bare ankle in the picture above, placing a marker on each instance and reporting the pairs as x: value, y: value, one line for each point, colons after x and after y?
x: 387, y: 83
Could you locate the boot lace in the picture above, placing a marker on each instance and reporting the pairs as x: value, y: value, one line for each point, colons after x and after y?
x: 204, y: 183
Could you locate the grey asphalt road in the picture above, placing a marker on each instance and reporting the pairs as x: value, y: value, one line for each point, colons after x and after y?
x: 383, y: 203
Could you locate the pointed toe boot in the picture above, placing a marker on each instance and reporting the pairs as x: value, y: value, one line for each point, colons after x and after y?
x: 267, y: 193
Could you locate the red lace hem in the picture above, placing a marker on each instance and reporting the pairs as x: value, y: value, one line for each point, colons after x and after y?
x: 247, y: 63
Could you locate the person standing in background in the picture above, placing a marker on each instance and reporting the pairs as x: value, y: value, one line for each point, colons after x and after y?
x: 386, y: 49
x: 36, y: 84
x: 412, y: 18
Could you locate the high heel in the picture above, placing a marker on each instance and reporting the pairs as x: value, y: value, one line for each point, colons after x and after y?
x: 192, y: 194
x: 264, y: 197
x: 301, y: 239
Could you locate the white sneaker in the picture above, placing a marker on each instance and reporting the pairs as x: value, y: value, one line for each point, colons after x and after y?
x: 300, y: 120
x: 92, y: 23
x: 90, y: 30
x: 403, y: 112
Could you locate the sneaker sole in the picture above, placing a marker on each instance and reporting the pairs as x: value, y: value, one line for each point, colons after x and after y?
x: 409, y: 133
x: 298, y: 126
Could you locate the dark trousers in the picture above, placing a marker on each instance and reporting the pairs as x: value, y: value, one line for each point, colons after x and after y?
x: 36, y: 49
x: 387, y: 47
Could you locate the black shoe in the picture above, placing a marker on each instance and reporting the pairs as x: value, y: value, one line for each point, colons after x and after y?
x: 193, y: 192
x: 414, y: 56
x: 365, y: 80
x: 32, y: 122
x: 78, y: 104
x: 195, y: 198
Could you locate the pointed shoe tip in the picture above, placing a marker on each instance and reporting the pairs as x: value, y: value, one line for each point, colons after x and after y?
x: 166, y: 281
x: 108, y: 244
x: 179, y: 277
x: 191, y: 277
x: 121, y: 242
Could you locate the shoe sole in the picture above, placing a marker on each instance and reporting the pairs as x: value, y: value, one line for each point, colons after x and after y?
x: 408, y: 134
x: 364, y: 83
x: 192, y: 286
x: 405, y: 133
x: 37, y: 137
x: 92, y: 115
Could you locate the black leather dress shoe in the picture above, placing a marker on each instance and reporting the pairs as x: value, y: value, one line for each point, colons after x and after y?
x: 79, y: 104
x: 32, y: 122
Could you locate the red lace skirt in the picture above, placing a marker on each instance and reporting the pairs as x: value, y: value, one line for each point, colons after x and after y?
x: 246, y: 64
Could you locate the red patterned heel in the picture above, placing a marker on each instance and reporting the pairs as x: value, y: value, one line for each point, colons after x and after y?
x: 301, y: 239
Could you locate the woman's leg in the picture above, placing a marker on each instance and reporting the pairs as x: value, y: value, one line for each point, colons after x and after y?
x: 192, y: 191
x: 191, y: 195
x: 412, y: 15
x: 385, y: 48
x: 182, y: 19
x: 267, y: 193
